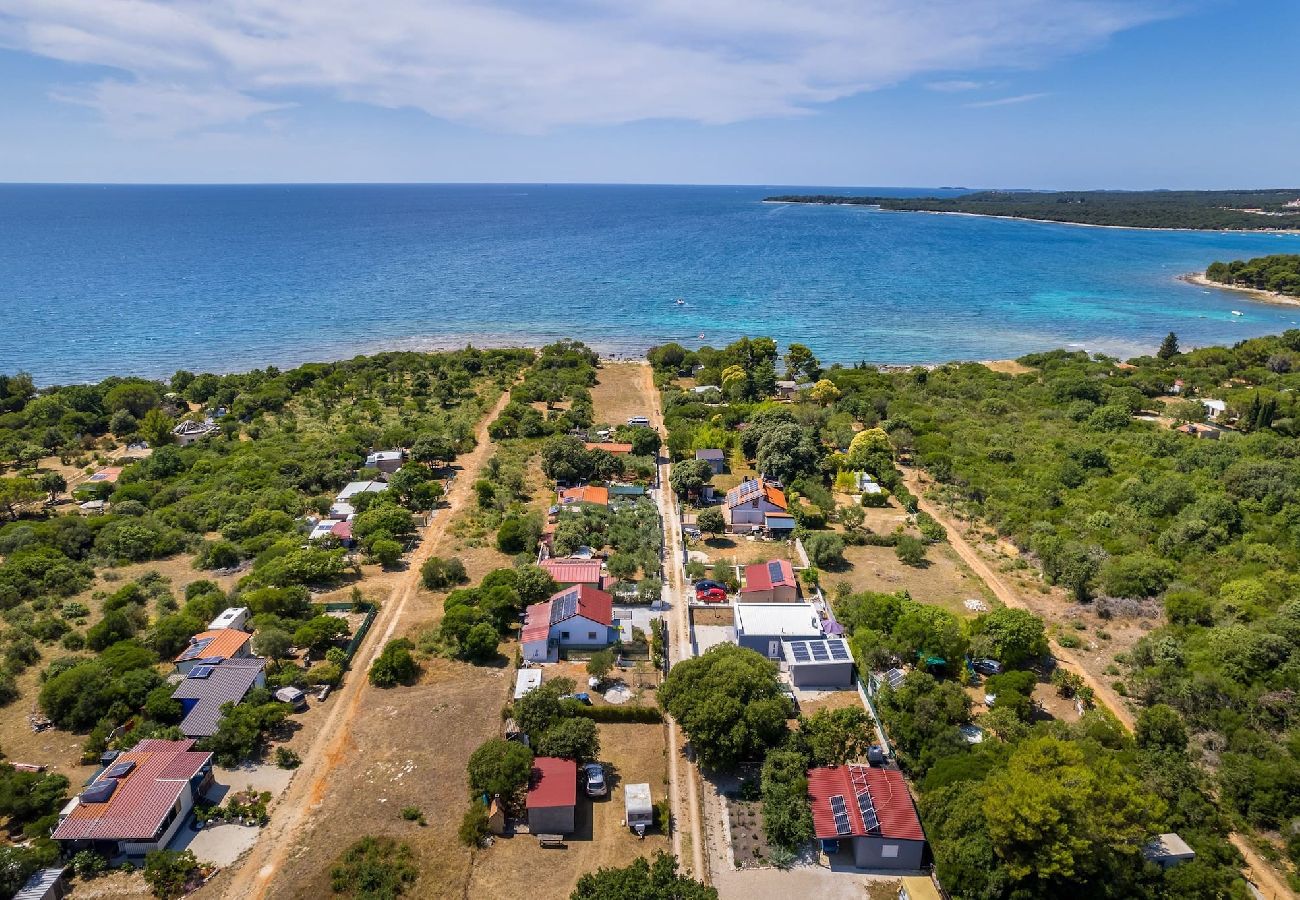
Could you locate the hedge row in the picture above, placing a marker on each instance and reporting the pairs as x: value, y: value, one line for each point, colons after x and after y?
x: 647, y: 715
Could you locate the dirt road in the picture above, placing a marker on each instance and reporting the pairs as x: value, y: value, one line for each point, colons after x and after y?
x: 681, y: 769
x: 1260, y: 873
x: 294, y: 810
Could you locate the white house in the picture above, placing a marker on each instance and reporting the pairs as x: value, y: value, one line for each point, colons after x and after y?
x: 763, y: 626
x: 342, y: 509
x: 576, y: 617
x: 755, y: 503
x: 189, y: 431
x: 1214, y: 409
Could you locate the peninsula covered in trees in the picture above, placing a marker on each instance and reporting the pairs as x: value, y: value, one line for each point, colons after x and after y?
x: 1247, y: 210
x: 1279, y: 273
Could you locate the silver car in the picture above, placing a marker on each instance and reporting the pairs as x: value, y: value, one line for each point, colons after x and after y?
x: 594, y: 775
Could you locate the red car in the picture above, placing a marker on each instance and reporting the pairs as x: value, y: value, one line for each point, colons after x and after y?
x: 711, y: 595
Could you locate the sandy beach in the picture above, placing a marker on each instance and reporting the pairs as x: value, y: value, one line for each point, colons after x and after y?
x: 1198, y: 278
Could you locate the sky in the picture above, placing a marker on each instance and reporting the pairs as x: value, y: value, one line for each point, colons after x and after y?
x: 982, y: 93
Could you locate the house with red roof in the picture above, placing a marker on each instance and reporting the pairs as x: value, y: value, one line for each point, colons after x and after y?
x: 568, y: 571
x: 139, y: 802
x: 552, y: 795
x: 757, y: 504
x: 209, y: 647
x: 578, y: 617
x: 586, y: 493
x: 866, y: 811
x: 770, y: 582
x: 613, y: 447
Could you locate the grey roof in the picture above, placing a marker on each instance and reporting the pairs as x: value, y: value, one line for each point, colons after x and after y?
x: 709, y: 454
x: 1167, y: 846
x: 38, y: 886
x: 228, y: 682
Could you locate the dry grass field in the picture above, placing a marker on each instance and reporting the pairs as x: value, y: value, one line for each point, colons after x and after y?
x: 621, y: 392
x: 741, y: 551
x: 943, y: 581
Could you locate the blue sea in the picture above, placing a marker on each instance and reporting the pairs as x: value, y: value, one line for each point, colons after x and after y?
x: 101, y: 280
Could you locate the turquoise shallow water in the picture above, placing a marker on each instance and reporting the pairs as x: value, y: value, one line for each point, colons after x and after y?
x: 98, y: 280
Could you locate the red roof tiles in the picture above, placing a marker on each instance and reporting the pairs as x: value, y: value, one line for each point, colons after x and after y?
x: 888, y: 792
x: 554, y: 782
x: 143, y: 797
x: 224, y: 642
x: 573, y: 571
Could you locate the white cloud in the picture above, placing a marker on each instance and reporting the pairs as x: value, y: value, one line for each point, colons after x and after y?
x: 1005, y: 101
x: 956, y: 85
x: 518, y: 66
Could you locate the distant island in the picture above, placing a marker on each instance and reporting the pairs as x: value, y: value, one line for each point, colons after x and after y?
x: 1252, y: 210
x: 1276, y: 274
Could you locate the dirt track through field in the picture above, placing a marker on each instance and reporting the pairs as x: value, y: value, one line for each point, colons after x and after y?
x: 294, y: 810
x: 1260, y: 873
x: 679, y: 645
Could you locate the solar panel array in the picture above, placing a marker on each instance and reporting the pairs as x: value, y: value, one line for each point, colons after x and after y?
x: 841, y: 814
x: 895, y: 677
x: 823, y: 651
x: 870, y: 820
x: 564, y: 607
x: 196, y: 648
x: 200, y: 671
x: 774, y: 572
x: 100, y: 791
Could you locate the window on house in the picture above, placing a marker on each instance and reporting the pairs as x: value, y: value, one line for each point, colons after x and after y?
x: 564, y: 635
x: 591, y: 635
x: 889, y: 851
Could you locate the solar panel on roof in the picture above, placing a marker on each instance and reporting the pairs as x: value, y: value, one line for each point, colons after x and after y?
x: 100, y: 791
x: 196, y: 648
x: 841, y: 814
x: 895, y: 677
x: 211, y: 660
x: 120, y: 770
x: 868, y: 809
x: 838, y: 650
x: 200, y: 672
x: 774, y: 571
x: 819, y: 651
x: 800, y: 651
x: 564, y: 607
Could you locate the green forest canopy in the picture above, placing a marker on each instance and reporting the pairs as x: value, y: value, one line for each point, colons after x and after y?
x: 1279, y: 272
x: 1251, y: 210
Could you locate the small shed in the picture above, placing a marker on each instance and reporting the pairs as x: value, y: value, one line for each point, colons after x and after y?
x: 387, y: 461
x: 232, y: 617
x: 552, y: 795
x: 291, y: 695
x: 45, y: 884
x: 496, y: 816
x: 716, y: 459
x: 640, y: 811
x: 1168, y: 850
x: 526, y: 680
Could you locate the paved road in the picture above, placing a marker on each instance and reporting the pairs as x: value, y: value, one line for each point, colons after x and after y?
x: 294, y: 810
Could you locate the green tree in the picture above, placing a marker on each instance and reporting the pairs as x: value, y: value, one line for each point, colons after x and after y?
x: 1160, y: 727
x: 572, y: 738
x: 319, y: 633
x: 156, y: 428
x: 824, y: 392
x: 394, y: 665
x: 728, y: 702
x: 711, y: 521
x: 499, y: 768
x: 910, y: 550
x: 168, y: 872
x: 1168, y: 347
x: 834, y: 737
x: 825, y: 549
x: 1056, y: 815
x: 480, y: 642
x: 926, y: 631
x: 1012, y: 636
x: 642, y: 879
x: 15, y: 493
x: 600, y: 664
x: 690, y: 476
x: 386, y: 552
x: 437, y: 573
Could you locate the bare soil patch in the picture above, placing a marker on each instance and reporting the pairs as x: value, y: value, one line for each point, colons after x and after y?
x: 619, y: 393
x: 741, y: 551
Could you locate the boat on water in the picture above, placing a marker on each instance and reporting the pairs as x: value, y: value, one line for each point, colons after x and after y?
x: 680, y: 302
x: 1237, y: 312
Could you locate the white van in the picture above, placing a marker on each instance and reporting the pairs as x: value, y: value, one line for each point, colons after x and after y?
x: 636, y: 421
